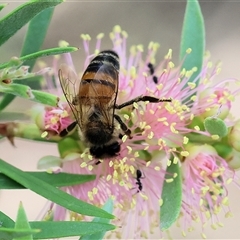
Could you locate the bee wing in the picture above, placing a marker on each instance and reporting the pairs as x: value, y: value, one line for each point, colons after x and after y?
x: 68, y: 80
x: 102, y: 88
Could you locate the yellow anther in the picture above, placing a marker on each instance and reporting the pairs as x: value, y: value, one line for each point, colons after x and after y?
x: 184, y: 153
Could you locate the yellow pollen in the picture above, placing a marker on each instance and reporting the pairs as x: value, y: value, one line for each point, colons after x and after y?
x: 160, y: 202
x: 204, y: 236
x: 140, y: 48
x: 214, y: 226
x: 185, y: 140
x: 150, y: 45
x: 156, y: 46
x: 169, y: 180
x: 129, y: 149
x: 225, y: 201
x: 197, y: 128
x: 160, y: 86
x: 172, y: 128
x: 157, y: 168
x: 169, y: 54
x: 215, y: 137
x: 95, y: 190
x: 175, y: 175
x: 126, y: 116
x: 117, y: 29
x: 109, y: 177
x: 162, y: 119
x: 131, y: 168
x: 110, y: 163
x: 194, y: 98
x: 201, y: 202
x: 229, y: 180
x: 90, y: 167
x: 141, y: 112
x: 209, y: 64
x: 193, y: 191
x: 133, y: 50
x: 191, y: 85
x: 136, y: 154
x: 191, y: 116
x: 100, y: 35
x: 166, y: 124
x: 184, y: 234
x: 220, y: 224
x: 184, y: 153
x: 90, y: 157
x: 151, y: 111
x: 171, y: 65
x: 175, y: 160
x: 169, y: 162
x: 133, y: 72
x: 83, y: 164
x: 228, y: 214
x: 121, y: 183
x: 64, y: 114
x: 63, y: 43
x: 143, y: 213
x: 90, y: 195
x: 189, y: 50
x: 135, y: 105
x: 47, y: 126
x: 44, y: 134
x: 150, y: 135
x: 124, y: 138
x: 125, y: 34
x: 148, y: 163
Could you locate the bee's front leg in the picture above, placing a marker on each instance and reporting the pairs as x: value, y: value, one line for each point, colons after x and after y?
x: 69, y: 128
x: 123, y: 126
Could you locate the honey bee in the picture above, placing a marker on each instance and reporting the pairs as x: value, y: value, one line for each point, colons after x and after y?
x: 95, y: 103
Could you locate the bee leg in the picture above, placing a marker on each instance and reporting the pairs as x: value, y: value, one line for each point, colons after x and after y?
x: 142, y: 98
x: 123, y: 126
x: 69, y: 128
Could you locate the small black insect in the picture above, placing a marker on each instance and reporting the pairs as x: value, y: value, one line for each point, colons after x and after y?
x: 138, y: 178
x: 152, y: 70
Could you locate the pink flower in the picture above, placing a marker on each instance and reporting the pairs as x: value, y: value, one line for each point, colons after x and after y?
x: 205, y: 179
x: 158, y: 133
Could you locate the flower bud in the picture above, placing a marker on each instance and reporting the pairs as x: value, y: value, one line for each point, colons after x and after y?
x: 234, y: 136
x: 68, y: 145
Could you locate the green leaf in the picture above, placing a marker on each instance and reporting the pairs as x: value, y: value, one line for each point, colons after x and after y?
x: 108, y: 206
x: 15, y: 20
x: 25, y: 91
x: 56, y: 180
x: 34, y: 38
x: 10, y: 233
x: 42, y: 53
x: 2, y: 6
x: 193, y: 36
x: 51, y: 193
x: 68, y: 229
x: 6, y: 221
x: 22, y: 223
x: 171, y: 196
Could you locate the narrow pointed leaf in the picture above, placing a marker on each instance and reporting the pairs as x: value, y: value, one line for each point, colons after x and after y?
x: 42, y: 53
x: 56, y: 180
x: 2, y: 6
x: 51, y: 193
x: 11, y: 233
x: 193, y: 36
x: 6, y: 221
x: 108, y: 206
x: 15, y: 20
x: 22, y: 223
x: 34, y: 38
x: 172, y: 197
x: 68, y: 228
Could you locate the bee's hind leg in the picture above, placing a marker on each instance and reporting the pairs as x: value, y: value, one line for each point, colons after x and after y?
x: 69, y: 128
x: 123, y: 126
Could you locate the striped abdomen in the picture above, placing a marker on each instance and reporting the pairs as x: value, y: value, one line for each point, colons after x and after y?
x: 99, y: 83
